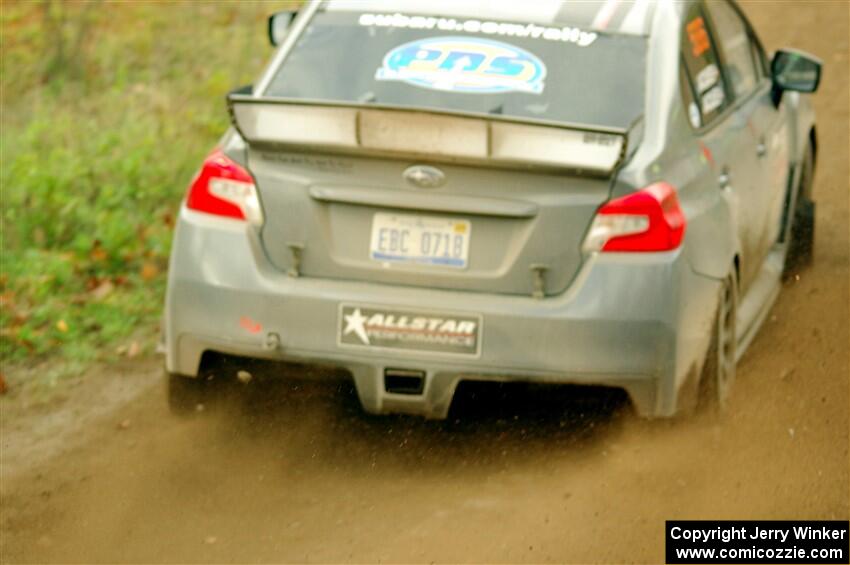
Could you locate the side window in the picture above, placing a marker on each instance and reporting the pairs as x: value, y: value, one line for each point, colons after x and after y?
x: 736, y: 45
x: 760, y: 58
x: 688, y: 97
x: 701, y: 81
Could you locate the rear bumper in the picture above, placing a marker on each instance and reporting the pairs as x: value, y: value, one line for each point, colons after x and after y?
x: 637, y: 322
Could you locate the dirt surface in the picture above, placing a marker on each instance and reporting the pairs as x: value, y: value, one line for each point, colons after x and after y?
x: 293, y: 471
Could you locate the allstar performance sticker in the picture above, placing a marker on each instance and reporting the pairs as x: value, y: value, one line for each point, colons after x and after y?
x: 422, y: 332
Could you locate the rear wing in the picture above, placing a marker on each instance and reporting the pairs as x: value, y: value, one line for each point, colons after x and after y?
x: 424, y: 133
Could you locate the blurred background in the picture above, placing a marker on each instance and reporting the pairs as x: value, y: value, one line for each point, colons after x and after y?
x: 107, y: 111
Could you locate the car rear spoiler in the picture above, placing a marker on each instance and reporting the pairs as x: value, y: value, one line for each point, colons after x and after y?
x: 434, y: 135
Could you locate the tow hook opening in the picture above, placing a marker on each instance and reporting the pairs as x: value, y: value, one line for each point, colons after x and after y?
x: 404, y: 381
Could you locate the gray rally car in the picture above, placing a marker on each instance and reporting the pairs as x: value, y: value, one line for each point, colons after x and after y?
x: 426, y: 192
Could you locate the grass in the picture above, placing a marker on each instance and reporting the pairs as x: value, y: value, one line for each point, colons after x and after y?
x: 107, y: 111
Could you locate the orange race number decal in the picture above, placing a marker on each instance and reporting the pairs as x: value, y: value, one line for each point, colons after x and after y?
x: 698, y: 37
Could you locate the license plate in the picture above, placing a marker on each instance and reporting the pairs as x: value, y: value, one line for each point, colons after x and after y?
x: 420, y: 240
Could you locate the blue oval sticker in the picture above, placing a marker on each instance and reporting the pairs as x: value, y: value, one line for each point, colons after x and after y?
x: 464, y: 64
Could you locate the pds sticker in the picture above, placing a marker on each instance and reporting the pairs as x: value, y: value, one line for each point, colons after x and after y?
x: 464, y: 64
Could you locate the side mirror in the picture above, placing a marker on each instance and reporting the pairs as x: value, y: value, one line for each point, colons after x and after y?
x: 795, y: 70
x: 279, y: 26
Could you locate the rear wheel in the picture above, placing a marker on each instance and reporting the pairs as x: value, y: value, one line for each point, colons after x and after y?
x: 802, y: 234
x: 718, y: 373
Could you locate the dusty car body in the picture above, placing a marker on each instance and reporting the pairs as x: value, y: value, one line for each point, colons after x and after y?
x: 604, y: 193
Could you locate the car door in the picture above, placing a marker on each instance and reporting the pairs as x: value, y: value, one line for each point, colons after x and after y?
x: 745, y: 66
x: 723, y: 124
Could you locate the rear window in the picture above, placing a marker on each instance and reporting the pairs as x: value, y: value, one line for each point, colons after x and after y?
x: 552, y: 72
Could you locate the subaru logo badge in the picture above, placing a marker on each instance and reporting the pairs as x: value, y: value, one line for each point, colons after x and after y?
x: 424, y: 176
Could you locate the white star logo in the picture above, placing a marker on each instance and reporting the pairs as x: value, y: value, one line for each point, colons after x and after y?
x: 355, y: 322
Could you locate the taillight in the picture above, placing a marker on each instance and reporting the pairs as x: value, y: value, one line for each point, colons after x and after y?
x: 647, y: 220
x: 223, y: 188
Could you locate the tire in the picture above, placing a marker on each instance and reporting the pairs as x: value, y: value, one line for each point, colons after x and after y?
x: 718, y: 372
x: 188, y: 395
x: 801, y: 242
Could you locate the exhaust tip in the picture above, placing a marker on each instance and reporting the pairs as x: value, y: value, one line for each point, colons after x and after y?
x: 404, y: 381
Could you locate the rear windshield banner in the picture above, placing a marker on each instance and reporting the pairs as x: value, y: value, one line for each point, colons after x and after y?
x: 526, y: 71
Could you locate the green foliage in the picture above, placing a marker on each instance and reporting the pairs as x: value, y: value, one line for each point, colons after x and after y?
x: 107, y: 110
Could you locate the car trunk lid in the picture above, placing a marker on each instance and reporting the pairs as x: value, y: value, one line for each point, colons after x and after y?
x: 512, y: 200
